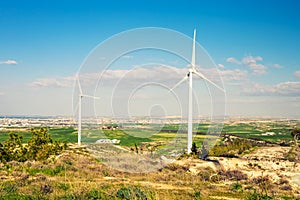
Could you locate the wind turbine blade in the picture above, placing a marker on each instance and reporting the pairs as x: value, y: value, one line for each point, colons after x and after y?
x: 89, y: 96
x: 206, y: 79
x: 181, y: 81
x: 78, y: 82
x: 193, y: 52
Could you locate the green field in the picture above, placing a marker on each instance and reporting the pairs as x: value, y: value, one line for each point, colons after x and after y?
x: 168, y: 132
x: 282, y: 131
x: 68, y: 134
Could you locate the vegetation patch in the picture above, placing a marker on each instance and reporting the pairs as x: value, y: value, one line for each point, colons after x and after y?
x: 40, y: 147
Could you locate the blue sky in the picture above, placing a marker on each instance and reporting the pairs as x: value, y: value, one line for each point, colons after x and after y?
x: 258, y: 40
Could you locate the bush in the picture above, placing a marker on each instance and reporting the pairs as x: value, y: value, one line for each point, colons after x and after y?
x: 176, y: 167
x: 194, y: 149
x: 257, y: 196
x: 133, y: 192
x: 232, y: 175
x: 264, y: 183
x: 197, y: 195
x: 96, y: 194
x: 13, y: 149
x: 232, y: 148
x: 236, y: 187
x: 40, y: 147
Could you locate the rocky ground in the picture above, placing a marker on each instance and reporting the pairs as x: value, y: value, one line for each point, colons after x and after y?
x: 267, y: 161
x: 76, y: 174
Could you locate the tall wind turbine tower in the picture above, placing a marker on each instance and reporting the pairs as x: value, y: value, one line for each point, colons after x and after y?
x: 81, y: 95
x: 189, y: 76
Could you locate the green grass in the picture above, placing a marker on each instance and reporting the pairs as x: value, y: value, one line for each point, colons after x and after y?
x: 165, y: 133
x: 68, y: 134
x: 25, y: 134
x: 125, y: 139
x: 256, y: 129
x: 48, y: 171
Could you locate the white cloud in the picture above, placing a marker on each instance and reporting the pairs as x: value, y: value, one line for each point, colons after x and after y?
x: 9, y: 62
x: 251, y: 62
x: 233, y: 60
x: 160, y: 74
x: 221, y: 66
x: 2, y: 94
x: 53, y: 82
x: 157, y: 73
x: 282, y: 89
x: 234, y: 75
x: 297, y: 74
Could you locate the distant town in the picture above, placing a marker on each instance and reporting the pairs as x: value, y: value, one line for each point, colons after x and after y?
x: 67, y: 121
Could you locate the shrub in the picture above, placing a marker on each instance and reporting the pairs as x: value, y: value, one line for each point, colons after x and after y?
x: 197, y: 195
x: 133, y: 192
x: 286, y: 187
x: 39, y: 147
x: 194, y: 149
x: 96, y: 194
x: 264, y: 183
x: 206, y: 174
x: 177, y: 167
x: 232, y: 148
x: 12, y: 149
x: 257, y: 196
x: 232, y: 175
x: 236, y: 187
x: 46, y: 189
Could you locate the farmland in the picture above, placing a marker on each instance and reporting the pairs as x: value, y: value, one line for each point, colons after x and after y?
x: 278, y: 131
x: 101, y: 171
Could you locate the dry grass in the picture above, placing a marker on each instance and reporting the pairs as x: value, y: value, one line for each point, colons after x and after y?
x: 77, y: 175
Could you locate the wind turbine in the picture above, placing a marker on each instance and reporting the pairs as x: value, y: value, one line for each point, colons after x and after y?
x: 189, y: 75
x: 81, y: 95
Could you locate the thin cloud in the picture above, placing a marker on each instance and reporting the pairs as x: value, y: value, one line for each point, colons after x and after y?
x: 221, y: 66
x: 251, y: 62
x: 234, y: 75
x: 277, y: 66
x: 282, y: 89
x: 53, y: 82
x: 156, y: 73
x: 9, y: 62
x: 297, y: 74
x: 233, y: 60
x: 2, y: 94
x: 141, y: 74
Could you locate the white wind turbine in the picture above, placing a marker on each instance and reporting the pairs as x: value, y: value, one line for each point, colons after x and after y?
x: 189, y: 76
x: 81, y: 95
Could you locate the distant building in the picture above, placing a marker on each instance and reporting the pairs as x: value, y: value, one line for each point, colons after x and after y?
x: 268, y: 134
x: 110, y: 127
x: 108, y: 141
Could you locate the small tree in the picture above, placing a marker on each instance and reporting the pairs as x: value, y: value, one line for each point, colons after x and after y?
x: 13, y: 149
x: 204, y: 152
x: 39, y: 147
x: 38, y: 143
x: 194, y: 149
